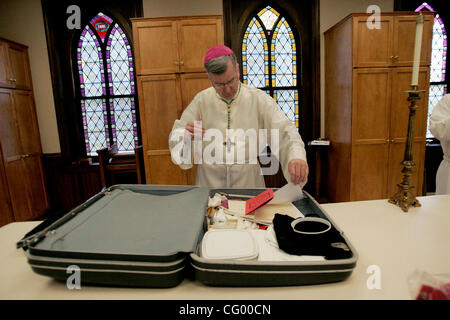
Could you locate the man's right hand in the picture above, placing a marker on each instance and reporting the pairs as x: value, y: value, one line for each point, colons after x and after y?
x: 196, y: 129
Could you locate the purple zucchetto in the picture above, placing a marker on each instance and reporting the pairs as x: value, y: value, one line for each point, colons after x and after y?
x: 217, y: 51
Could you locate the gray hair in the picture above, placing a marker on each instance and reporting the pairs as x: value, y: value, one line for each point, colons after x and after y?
x: 219, y: 65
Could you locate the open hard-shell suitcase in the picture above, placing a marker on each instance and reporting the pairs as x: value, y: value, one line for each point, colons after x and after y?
x: 151, y: 235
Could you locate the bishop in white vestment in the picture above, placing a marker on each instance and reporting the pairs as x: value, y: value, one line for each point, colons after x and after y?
x: 226, y: 127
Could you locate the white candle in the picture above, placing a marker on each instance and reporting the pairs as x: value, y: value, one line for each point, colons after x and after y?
x: 417, y: 49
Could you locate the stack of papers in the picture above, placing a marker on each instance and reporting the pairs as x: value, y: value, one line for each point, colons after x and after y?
x: 281, y: 203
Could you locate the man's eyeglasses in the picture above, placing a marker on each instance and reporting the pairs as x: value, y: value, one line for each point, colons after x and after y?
x: 221, y: 85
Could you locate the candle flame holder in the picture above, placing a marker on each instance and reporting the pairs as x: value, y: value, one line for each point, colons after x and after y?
x: 404, y: 197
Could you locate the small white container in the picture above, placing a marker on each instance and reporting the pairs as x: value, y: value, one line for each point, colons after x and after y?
x: 229, y: 244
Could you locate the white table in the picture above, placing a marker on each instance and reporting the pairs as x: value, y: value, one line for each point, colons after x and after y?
x: 384, y: 236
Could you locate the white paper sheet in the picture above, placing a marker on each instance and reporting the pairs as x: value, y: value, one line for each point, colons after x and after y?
x: 288, y: 193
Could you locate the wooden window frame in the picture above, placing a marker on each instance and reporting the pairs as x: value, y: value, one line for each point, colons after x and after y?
x: 108, y: 97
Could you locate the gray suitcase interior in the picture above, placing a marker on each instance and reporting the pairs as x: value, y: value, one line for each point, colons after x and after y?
x: 284, y: 273
x: 149, y: 236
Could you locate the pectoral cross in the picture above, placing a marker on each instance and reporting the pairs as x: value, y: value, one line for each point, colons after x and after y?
x: 228, y: 143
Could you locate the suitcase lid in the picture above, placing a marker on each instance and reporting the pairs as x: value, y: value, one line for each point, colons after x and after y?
x: 95, y: 230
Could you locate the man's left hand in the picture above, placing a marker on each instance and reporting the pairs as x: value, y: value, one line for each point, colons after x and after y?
x: 298, y: 169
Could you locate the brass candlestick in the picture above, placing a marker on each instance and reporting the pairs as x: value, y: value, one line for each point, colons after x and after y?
x: 405, y: 197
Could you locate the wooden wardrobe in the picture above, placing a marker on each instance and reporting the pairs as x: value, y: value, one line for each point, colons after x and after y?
x: 367, y: 71
x: 23, y: 193
x: 169, y: 55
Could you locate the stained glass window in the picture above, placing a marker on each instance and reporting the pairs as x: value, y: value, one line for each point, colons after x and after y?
x: 269, y: 60
x: 255, y: 56
x: 438, y: 87
x: 107, y: 86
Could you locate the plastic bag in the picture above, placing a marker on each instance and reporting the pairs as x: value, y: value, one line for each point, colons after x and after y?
x: 425, y: 286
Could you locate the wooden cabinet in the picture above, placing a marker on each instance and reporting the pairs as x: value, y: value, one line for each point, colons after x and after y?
x: 22, y: 168
x: 14, y: 67
x: 392, y: 44
x: 195, y: 37
x: 173, y: 45
x: 169, y: 66
x: 366, y: 107
x: 155, y: 47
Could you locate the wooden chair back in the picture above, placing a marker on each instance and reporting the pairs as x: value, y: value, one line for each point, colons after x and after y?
x: 121, y: 167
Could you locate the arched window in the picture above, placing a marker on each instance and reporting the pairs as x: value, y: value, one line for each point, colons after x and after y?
x: 269, y: 60
x: 438, y: 87
x: 107, y: 86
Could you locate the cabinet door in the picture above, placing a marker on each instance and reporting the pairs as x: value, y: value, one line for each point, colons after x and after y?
x: 12, y: 157
x: 21, y: 147
x: 19, y: 189
x: 369, y: 171
x: 191, y: 84
x: 31, y: 152
x: 195, y: 37
x: 155, y: 47
x: 370, y: 132
x: 371, y: 105
x: 38, y: 200
x: 404, y: 40
x: 401, y: 81
x: 372, y: 47
x: 27, y: 122
x: 20, y: 70
x: 160, y: 106
x: 6, y: 214
x: 9, y: 133
x: 5, y: 74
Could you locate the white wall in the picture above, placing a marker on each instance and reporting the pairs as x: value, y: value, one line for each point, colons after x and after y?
x: 331, y: 12
x: 22, y: 21
x: 167, y: 8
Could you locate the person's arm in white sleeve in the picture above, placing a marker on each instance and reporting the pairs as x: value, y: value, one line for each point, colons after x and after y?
x: 181, y: 136
x: 440, y: 119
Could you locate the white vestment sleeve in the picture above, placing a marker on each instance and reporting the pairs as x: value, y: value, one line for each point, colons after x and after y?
x: 440, y: 119
x: 440, y: 127
x: 181, y: 147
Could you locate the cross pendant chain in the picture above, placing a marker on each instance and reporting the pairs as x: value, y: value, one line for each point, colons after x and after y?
x: 229, y: 143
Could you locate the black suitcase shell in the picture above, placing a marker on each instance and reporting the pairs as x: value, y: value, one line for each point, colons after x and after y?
x: 113, y: 246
